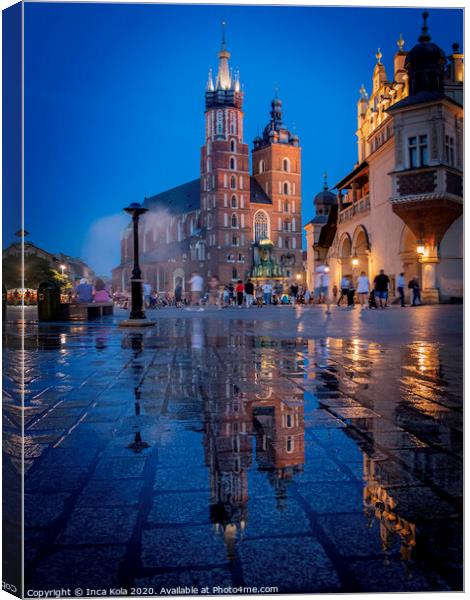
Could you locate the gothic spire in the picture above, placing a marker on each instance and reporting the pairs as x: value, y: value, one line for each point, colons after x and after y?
x: 224, y: 81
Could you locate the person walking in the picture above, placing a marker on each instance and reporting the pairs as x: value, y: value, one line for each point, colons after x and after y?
x: 267, y: 293
x: 147, y: 293
x: 294, y: 291
x: 196, y: 282
x: 213, y: 290
x: 381, y: 283
x: 249, y: 293
x: 415, y: 288
x: 363, y: 286
x: 344, y: 285
x: 351, y: 292
x: 240, y: 289
x: 178, y: 295
x: 401, y: 288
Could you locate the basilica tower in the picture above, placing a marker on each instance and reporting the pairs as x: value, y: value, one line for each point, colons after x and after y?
x: 225, y: 177
x: 277, y: 170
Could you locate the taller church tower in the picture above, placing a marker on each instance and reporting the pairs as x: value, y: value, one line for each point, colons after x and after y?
x: 225, y: 177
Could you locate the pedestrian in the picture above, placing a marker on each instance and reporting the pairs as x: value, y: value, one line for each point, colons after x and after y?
x: 213, y: 290
x: 240, y: 289
x: 259, y: 296
x: 196, y: 282
x: 306, y: 297
x: 401, y: 288
x: 147, y: 293
x: 322, y: 284
x: 249, y: 293
x: 415, y: 288
x: 335, y: 292
x: 344, y: 285
x: 294, y: 291
x: 381, y: 283
x: 84, y: 292
x: 363, y: 289
x: 351, y: 292
x: 178, y: 294
x: 231, y: 293
x: 267, y: 292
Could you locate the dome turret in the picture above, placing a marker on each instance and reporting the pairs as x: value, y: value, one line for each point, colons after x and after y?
x: 425, y: 64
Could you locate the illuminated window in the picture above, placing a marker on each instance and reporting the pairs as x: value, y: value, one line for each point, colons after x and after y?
x: 261, y: 226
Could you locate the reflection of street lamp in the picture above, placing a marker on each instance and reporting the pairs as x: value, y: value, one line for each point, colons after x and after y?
x: 137, y: 316
x: 420, y: 247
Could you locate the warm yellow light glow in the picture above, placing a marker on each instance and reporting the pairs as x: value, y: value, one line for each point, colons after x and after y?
x: 299, y: 276
x: 420, y: 247
x: 355, y: 261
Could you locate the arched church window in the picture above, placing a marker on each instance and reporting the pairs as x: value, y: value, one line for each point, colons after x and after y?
x: 233, y: 163
x: 233, y: 182
x: 233, y: 146
x: 234, y: 273
x: 286, y: 165
x: 234, y: 220
x: 234, y: 201
x: 286, y: 188
x: 261, y: 226
x: 262, y: 166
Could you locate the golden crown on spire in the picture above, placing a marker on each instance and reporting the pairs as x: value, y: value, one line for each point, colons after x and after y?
x: 378, y: 56
x: 400, y: 43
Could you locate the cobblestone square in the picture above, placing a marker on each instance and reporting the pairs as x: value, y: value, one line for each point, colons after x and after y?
x: 275, y: 447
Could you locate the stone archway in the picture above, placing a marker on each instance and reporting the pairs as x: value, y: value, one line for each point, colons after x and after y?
x: 408, y: 255
x: 360, y: 252
x: 345, y: 253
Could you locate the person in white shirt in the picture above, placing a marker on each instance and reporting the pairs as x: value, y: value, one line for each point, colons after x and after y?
x: 401, y: 288
x: 267, y: 293
x: 322, y: 290
x: 363, y: 287
x: 196, y: 282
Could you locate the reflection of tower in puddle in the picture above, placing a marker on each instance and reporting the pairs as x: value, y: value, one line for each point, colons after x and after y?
x: 228, y: 456
x: 279, y: 428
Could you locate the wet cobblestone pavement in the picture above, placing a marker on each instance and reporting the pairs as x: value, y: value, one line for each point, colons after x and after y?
x: 213, y: 451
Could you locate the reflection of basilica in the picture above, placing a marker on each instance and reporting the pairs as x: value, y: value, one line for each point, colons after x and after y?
x: 407, y: 471
x: 232, y: 417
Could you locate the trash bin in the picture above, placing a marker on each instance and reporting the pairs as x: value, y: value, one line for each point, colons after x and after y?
x: 49, y: 307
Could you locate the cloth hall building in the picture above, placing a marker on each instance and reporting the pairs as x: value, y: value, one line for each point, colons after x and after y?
x: 229, y: 222
x: 400, y: 208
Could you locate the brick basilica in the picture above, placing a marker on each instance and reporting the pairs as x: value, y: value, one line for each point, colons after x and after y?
x: 228, y: 222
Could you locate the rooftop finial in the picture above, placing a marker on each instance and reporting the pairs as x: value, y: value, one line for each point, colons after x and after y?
x: 424, y: 37
x: 400, y: 43
x: 223, y: 35
x: 325, y: 181
x: 378, y: 56
x: 276, y: 91
x: 363, y: 92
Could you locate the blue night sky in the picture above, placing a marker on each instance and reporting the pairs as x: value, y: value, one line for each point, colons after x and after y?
x: 114, y: 100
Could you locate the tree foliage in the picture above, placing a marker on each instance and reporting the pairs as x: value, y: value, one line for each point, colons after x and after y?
x: 36, y: 270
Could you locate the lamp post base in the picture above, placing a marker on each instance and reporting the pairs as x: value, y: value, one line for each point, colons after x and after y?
x: 137, y: 323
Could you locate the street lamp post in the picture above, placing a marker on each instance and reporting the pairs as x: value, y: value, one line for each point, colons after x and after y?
x: 137, y: 315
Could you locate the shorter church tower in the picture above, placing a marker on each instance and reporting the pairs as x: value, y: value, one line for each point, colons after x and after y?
x: 277, y: 170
